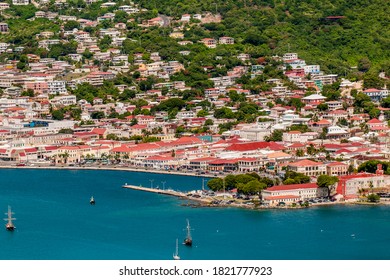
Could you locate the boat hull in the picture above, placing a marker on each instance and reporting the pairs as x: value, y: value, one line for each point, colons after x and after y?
x: 188, y: 242
x: 9, y: 228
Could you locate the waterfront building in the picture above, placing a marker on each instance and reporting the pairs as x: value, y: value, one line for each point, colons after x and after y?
x: 289, y: 194
x: 349, y: 186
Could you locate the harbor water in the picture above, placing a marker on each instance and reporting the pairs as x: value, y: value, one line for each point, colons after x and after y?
x: 56, y: 222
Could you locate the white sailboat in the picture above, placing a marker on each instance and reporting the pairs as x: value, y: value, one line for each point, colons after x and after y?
x: 176, y: 254
x: 9, y: 226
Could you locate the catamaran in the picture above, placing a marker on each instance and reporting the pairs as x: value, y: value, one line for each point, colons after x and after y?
x: 188, y: 240
x: 176, y: 254
x: 9, y: 226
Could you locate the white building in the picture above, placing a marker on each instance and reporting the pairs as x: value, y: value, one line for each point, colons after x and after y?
x: 289, y: 194
x: 20, y: 2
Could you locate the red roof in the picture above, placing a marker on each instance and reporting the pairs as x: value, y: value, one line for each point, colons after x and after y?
x: 224, y: 161
x: 372, y: 90
x: 355, y: 176
x: 293, y: 187
x: 202, y: 159
x: 254, y: 146
x: 277, y: 197
x: 336, y: 163
x: 187, y: 141
x: 160, y: 158
x: 305, y: 162
x: 375, y: 121
x: 99, y: 131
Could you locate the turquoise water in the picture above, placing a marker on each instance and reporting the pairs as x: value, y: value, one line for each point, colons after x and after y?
x: 55, y: 221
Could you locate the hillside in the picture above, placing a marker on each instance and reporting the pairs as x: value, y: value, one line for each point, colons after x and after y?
x: 336, y: 34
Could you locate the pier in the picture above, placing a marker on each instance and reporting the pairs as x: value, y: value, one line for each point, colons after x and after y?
x: 203, y: 200
x: 155, y: 190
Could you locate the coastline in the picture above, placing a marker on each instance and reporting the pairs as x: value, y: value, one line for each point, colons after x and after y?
x: 202, y: 202
x: 105, y: 167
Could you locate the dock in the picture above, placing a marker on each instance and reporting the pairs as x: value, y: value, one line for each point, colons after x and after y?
x: 159, y: 191
x: 204, y: 200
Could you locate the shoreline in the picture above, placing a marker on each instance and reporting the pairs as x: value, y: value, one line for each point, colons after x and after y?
x: 119, y: 168
x: 203, y: 202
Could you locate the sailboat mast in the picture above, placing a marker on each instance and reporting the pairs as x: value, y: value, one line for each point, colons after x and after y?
x: 9, y: 219
x: 188, y: 230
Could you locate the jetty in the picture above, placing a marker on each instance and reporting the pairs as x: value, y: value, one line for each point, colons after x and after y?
x: 170, y: 192
x: 155, y: 190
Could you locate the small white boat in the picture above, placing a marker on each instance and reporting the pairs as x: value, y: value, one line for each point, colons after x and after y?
x: 92, y: 201
x: 176, y: 254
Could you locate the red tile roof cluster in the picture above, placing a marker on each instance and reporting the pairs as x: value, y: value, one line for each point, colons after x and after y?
x: 252, y: 146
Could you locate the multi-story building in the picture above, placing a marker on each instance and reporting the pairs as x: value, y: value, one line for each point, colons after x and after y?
x: 376, y: 94
x: 349, y: 186
x: 308, y: 167
x: 289, y: 194
x: 336, y: 169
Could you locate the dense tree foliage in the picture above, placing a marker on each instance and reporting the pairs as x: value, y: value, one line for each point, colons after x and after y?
x: 292, y: 177
x: 371, y: 166
x: 339, y: 33
x: 250, y: 183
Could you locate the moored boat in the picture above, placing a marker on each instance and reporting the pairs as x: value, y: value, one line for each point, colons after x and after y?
x: 188, y: 239
x: 9, y: 226
x: 176, y: 254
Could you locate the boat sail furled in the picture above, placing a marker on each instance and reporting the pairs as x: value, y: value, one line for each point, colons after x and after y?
x: 188, y: 239
x: 176, y: 254
x: 9, y: 226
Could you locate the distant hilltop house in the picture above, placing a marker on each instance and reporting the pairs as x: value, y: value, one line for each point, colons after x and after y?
x: 4, y: 6
x: 226, y: 40
x: 376, y: 94
x: 185, y: 18
x: 20, y: 2
x: 158, y: 21
x: 209, y: 42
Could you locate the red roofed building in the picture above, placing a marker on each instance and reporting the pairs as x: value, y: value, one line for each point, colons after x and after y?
x: 71, y: 154
x: 349, y: 186
x: 142, y: 119
x: 102, y: 132
x: 308, y: 167
x: 250, y: 164
x: 200, y: 163
x: 161, y: 162
x: 254, y: 146
x: 289, y: 194
x: 186, y: 141
x: 377, y: 126
x: 223, y: 165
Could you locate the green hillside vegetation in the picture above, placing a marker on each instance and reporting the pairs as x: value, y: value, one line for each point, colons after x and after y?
x: 276, y: 27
